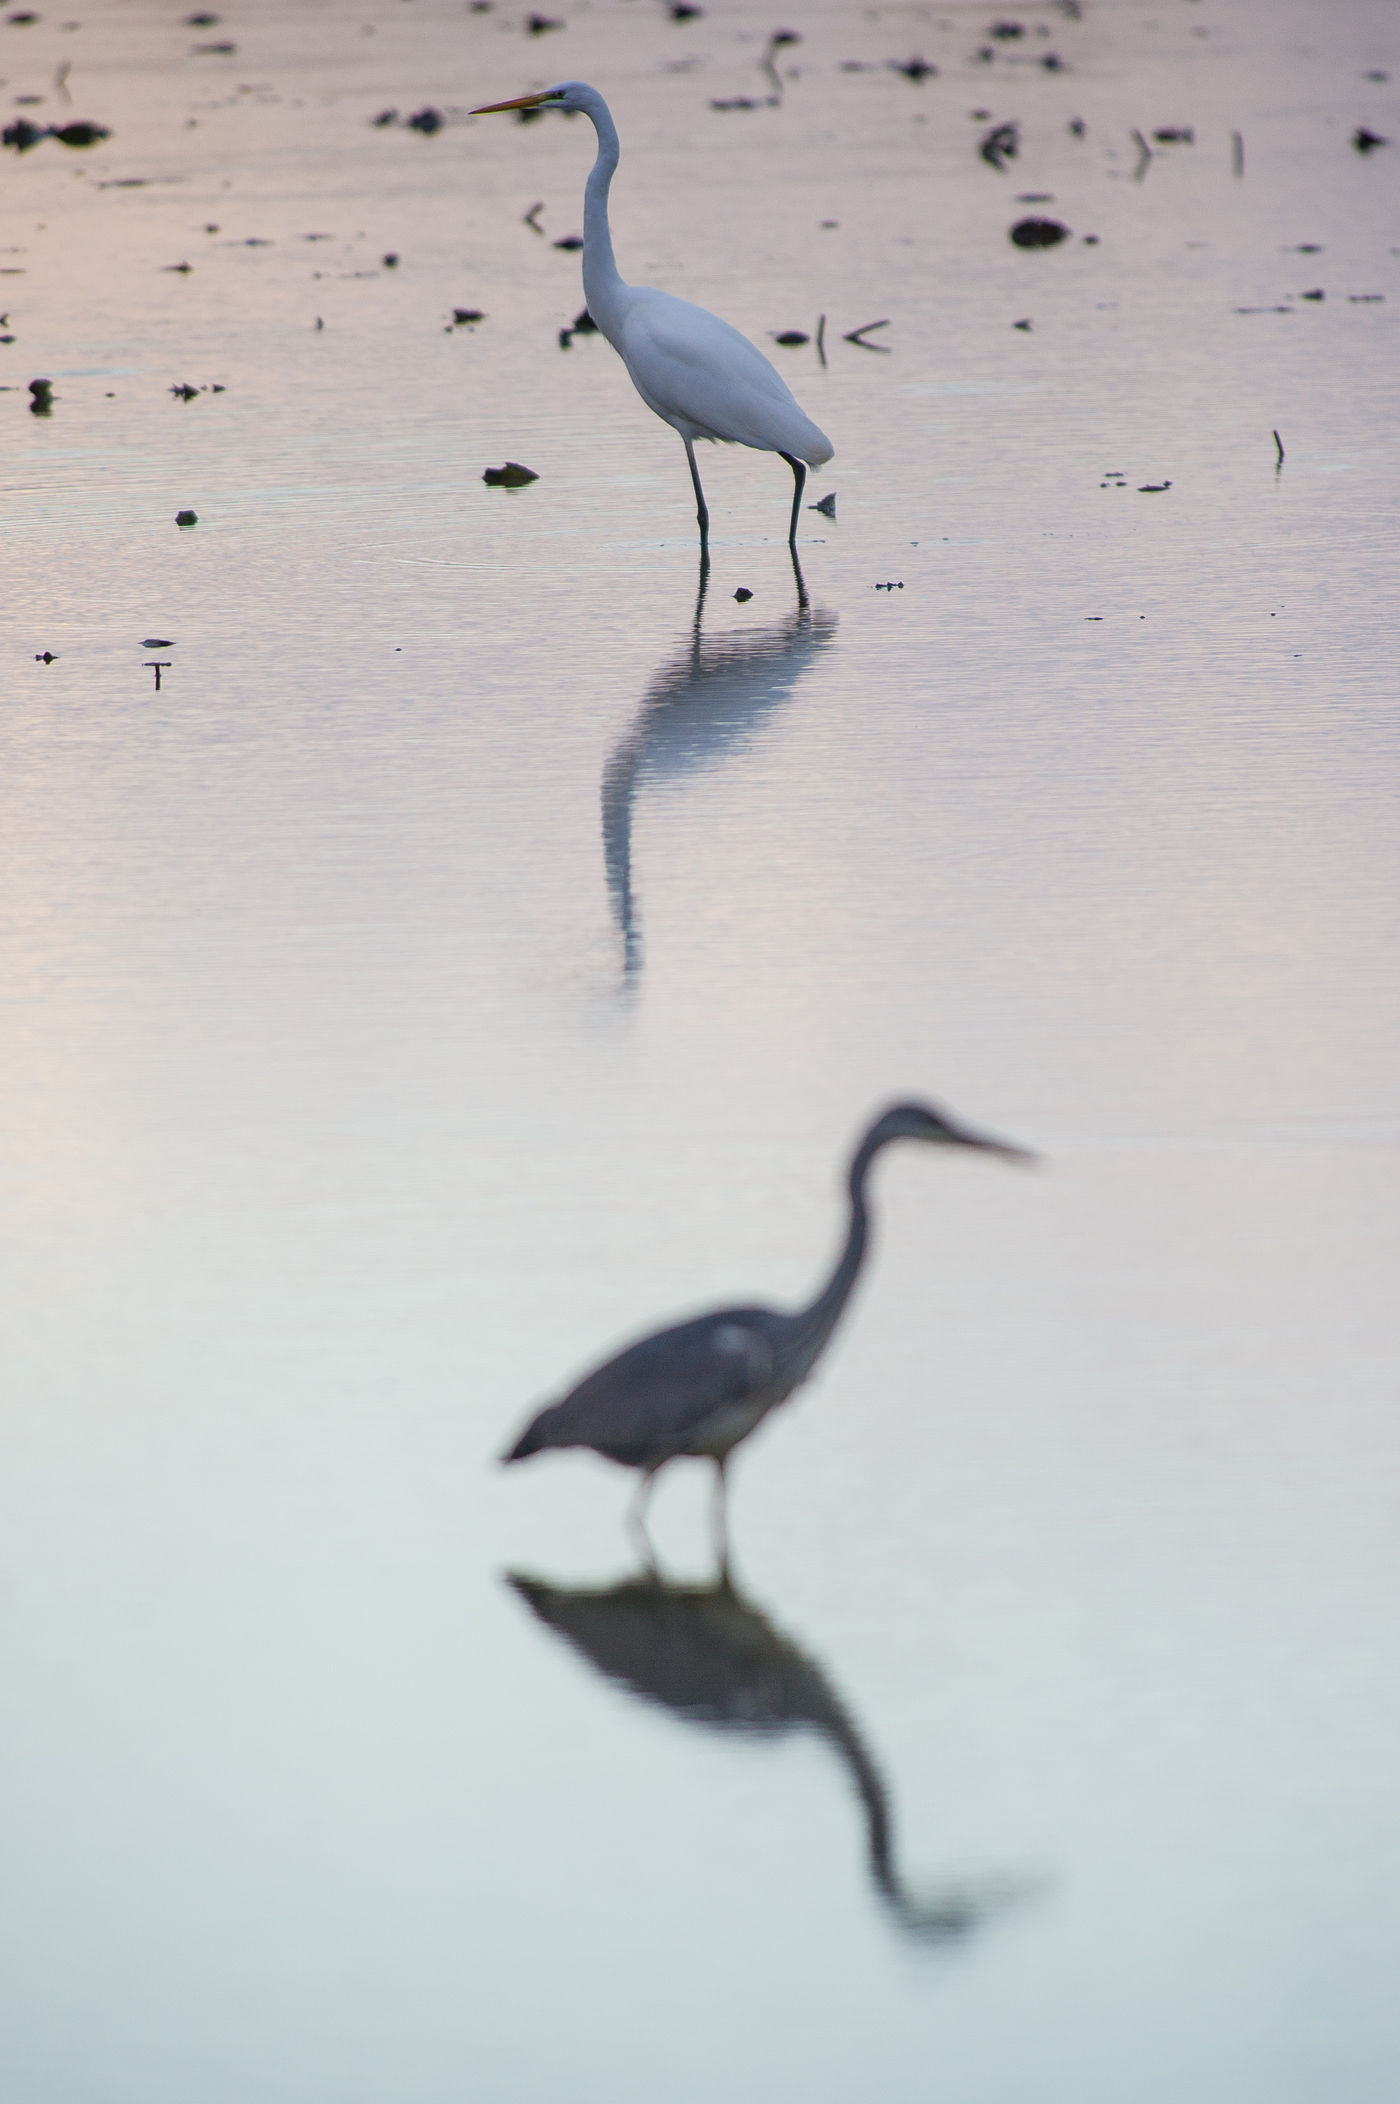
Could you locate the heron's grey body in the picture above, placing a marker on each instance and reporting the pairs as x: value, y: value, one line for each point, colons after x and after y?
x: 703, y: 1386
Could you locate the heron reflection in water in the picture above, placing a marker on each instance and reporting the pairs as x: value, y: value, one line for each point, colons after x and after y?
x: 706, y: 702
x: 708, y: 1654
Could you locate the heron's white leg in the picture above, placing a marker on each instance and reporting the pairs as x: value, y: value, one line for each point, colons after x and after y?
x: 702, y: 510
x: 799, y: 476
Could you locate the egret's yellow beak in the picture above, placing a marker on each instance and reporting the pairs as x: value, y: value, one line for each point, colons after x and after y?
x: 521, y: 102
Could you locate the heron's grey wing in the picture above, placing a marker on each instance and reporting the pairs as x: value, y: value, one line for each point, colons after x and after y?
x: 652, y: 1396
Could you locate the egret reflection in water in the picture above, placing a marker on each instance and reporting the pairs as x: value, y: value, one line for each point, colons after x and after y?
x: 708, y: 1654
x: 704, y: 704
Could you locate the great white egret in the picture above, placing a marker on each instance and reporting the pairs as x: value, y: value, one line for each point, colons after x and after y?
x: 701, y: 1387
x: 699, y: 375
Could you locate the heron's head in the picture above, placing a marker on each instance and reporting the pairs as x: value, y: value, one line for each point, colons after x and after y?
x: 568, y: 95
x: 920, y: 1121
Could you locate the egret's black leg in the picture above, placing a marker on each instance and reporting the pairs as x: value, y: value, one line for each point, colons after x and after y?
x: 802, y: 600
x: 799, y: 476
x: 702, y: 510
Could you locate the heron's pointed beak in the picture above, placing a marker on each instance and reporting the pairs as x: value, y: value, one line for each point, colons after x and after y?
x: 521, y: 102
x: 1007, y: 1149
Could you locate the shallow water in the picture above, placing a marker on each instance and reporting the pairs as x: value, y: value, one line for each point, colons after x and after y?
x: 466, y: 960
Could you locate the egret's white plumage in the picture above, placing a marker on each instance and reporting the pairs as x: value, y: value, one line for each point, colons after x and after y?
x: 698, y: 374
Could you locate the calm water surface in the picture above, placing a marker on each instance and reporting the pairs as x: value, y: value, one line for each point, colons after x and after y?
x: 468, y: 958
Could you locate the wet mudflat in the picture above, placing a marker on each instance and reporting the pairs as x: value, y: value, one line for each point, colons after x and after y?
x: 472, y: 955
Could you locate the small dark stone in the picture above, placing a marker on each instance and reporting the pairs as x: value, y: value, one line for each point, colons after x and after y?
x: 584, y: 324
x: 1317, y: 293
x: 540, y: 25
x: 1053, y: 63
x: 426, y: 121
x: 1077, y: 127
x: 1038, y: 233
x: 1006, y: 32
x: 41, y: 392
x: 683, y: 12
x: 156, y: 643
x: 826, y: 505
x: 1152, y: 489
x: 1175, y: 135
x: 462, y: 317
x: 21, y: 135
x: 391, y: 261
x: 187, y: 518
x: 184, y: 394
x: 914, y: 69
x: 1022, y: 325
x: 569, y: 241
x: 743, y: 593
x: 790, y: 338
x: 1367, y: 141
x: 199, y: 22
x: 181, y: 269
x: 511, y: 476
x: 385, y: 117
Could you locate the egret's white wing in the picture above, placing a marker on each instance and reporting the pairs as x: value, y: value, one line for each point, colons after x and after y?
x: 701, y: 375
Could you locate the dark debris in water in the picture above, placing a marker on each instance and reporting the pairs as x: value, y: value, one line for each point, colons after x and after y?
x: 915, y: 69
x: 41, y: 397
x: 1038, y: 233
x: 791, y: 338
x: 22, y: 134
x: 568, y: 241
x: 1001, y: 145
x: 540, y: 25
x: 858, y: 336
x: 743, y: 594
x: 463, y: 317
x: 511, y: 476
x: 186, y: 519
x: 825, y: 505
x: 1367, y: 141
x: 582, y: 324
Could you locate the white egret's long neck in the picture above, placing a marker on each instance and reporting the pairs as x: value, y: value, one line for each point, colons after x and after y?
x: 602, y: 283
x: 820, y: 1319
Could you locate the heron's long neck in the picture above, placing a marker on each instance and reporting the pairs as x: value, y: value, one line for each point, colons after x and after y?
x: 820, y: 1319
x: 602, y: 282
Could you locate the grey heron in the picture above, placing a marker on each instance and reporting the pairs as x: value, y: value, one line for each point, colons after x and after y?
x: 699, y: 1388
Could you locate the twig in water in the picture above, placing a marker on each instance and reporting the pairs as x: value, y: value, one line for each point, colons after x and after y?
x: 858, y: 336
x: 1237, y: 152
x: 1144, y: 155
x: 821, y: 338
x: 531, y: 218
x: 1279, y: 443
